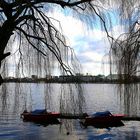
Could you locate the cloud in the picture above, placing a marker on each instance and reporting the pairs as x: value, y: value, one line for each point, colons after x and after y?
x: 94, y: 68
x: 71, y: 27
x: 117, y: 31
x: 90, y: 57
x: 90, y: 45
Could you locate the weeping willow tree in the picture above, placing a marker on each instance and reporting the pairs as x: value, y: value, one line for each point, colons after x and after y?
x: 125, y: 50
x: 125, y: 57
x: 31, y: 44
x: 125, y: 54
x: 30, y: 40
x: 34, y: 45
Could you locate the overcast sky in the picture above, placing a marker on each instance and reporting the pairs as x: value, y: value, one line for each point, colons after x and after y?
x: 90, y: 45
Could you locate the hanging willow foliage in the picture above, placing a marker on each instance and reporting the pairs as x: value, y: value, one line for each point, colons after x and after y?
x: 124, y: 54
x: 37, y: 47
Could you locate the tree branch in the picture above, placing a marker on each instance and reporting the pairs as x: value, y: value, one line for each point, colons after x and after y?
x: 58, y: 2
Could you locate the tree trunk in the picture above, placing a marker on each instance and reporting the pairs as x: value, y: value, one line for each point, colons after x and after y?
x: 5, y: 34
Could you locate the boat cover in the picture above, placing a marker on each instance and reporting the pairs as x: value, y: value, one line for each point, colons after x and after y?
x: 101, y: 114
x: 38, y: 111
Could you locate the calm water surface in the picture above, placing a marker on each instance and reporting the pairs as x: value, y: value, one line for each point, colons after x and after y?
x: 99, y: 97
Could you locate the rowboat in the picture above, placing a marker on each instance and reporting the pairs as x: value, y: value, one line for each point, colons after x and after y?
x: 40, y: 116
x: 103, y: 119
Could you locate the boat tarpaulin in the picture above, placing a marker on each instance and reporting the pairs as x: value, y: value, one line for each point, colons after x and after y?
x: 38, y: 111
x: 101, y: 114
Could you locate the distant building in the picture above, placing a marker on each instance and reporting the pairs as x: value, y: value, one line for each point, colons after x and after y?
x: 54, y: 77
x: 100, y: 76
x: 34, y: 76
x: 86, y: 78
x: 112, y: 77
x: 66, y: 78
x: 48, y: 77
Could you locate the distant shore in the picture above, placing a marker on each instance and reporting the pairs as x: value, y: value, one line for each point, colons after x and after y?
x: 43, y: 80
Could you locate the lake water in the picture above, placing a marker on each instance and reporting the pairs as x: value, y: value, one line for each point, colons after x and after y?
x: 99, y: 97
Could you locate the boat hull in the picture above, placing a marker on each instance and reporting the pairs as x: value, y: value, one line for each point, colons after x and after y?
x: 46, y: 117
x: 104, y: 121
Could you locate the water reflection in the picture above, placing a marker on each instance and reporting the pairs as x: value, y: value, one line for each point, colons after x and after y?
x: 99, y: 97
x: 130, y: 99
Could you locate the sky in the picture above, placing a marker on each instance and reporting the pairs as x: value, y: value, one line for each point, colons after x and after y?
x: 88, y: 40
x: 90, y: 44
